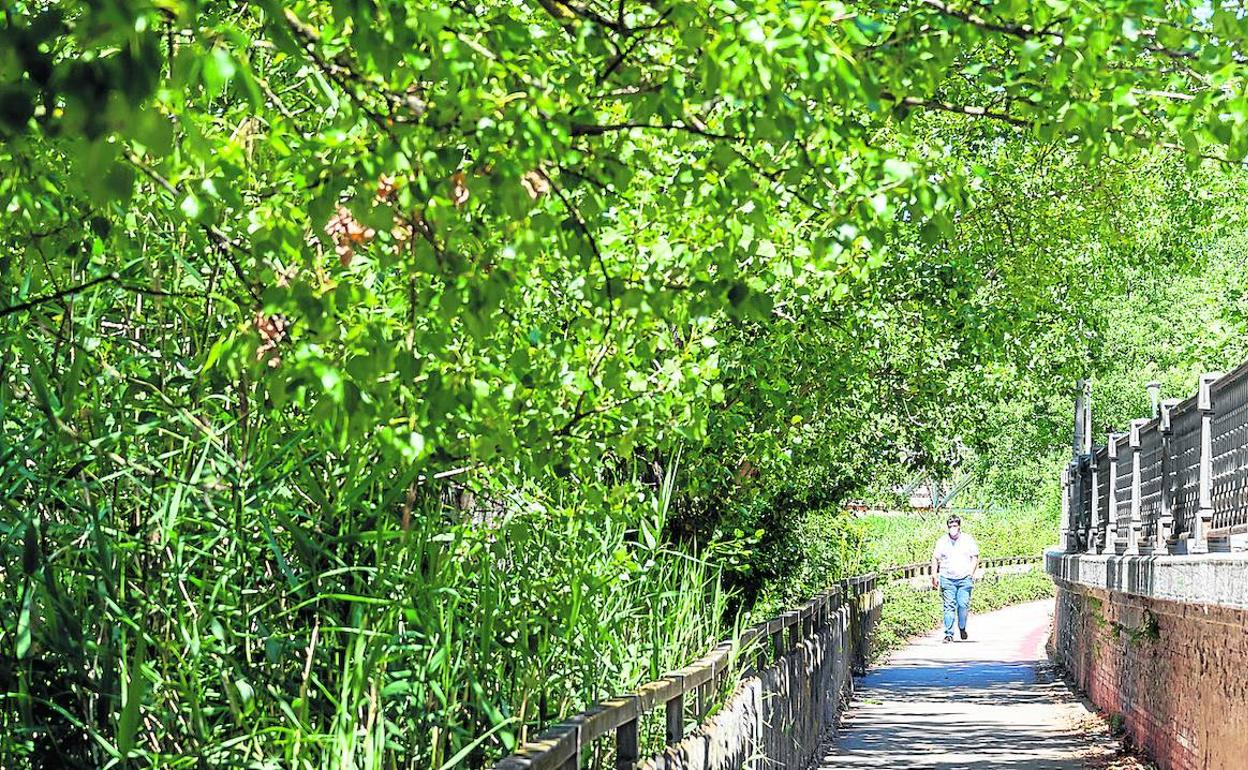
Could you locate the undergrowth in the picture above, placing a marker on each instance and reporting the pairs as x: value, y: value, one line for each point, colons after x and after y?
x: 898, y: 539
x: 910, y: 612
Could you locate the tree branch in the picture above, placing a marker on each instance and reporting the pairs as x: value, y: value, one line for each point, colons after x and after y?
x: 1024, y: 31
x: 958, y: 109
x: 983, y: 112
x: 626, y: 52
x: 586, y: 129
x: 56, y: 295
x: 1028, y: 32
x: 227, y: 244
x: 606, y: 276
x: 562, y: 11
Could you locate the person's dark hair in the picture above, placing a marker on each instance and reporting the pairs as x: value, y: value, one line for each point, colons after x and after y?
x: 953, y: 520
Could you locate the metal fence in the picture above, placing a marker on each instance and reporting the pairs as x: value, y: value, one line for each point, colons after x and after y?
x: 1175, y: 483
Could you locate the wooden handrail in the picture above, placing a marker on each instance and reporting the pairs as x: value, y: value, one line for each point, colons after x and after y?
x: 559, y: 747
x: 924, y: 568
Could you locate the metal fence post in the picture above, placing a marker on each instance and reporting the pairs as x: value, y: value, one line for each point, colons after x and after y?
x: 1094, y: 536
x: 1154, y: 396
x: 1077, y: 512
x: 1165, y: 516
x: 1074, y: 479
x: 1103, y: 533
x: 1137, y: 522
x: 1202, y: 522
x: 1067, y: 508
x: 1082, y: 443
x: 1112, y: 535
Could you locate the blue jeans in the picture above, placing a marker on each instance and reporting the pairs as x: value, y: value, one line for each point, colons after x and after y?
x: 956, y: 594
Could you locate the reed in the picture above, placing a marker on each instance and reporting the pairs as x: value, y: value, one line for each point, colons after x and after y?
x: 220, y: 598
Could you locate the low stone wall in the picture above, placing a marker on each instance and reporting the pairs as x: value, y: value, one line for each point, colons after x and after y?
x: 779, y: 716
x: 1161, y: 642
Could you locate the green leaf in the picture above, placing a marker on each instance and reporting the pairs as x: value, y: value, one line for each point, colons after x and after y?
x: 135, y: 692
x: 898, y: 170
x: 191, y: 207
x: 218, y: 69
x: 25, y: 620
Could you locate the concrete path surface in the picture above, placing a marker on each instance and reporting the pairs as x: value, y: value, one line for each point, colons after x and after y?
x: 989, y: 703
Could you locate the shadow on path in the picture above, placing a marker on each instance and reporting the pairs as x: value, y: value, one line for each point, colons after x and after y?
x: 991, y: 703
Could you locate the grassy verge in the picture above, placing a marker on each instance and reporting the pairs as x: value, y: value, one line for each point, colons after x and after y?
x: 909, y: 612
x: 901, y: 539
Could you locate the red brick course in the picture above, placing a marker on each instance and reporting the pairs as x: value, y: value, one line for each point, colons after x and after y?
x: 1177, y: 674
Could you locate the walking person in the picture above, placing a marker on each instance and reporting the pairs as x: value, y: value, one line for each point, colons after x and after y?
x: 954, y: 561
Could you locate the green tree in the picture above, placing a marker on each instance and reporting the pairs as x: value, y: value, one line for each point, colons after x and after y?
x: 275, y: 275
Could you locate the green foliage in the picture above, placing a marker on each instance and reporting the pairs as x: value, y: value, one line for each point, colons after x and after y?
x: 910, y: 612
x: 909, y: 538
x: 473, y: 238
x: 1148, y: 630
x: 848, y: 401
x: 821, y: 547
x: 1177, y: 311
x: 1196, y: 323
x: 273, y: 275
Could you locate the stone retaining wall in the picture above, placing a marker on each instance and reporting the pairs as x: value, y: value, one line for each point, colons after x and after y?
x: 1162, y: 643
x: 779, y: 717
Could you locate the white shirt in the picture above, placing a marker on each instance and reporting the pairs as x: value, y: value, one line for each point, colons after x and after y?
x: 956, y: 557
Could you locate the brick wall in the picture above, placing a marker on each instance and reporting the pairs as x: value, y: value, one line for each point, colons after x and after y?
x: 1176, y: 673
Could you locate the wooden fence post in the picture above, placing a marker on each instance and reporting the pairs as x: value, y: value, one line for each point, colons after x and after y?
x: 676, y: 719
x: 1202, y: 522
x: 628, y: 744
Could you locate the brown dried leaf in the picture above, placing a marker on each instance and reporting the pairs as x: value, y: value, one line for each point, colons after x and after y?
x: 535, y: 183
x: 459, y: 189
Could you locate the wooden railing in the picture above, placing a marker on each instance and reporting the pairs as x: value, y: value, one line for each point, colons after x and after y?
x: 1175, y: 483
x: 564, y: 745
x: 921, y: 569
x: 689, y: 691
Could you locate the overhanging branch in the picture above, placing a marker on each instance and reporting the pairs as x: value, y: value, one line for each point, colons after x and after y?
x: 58, y: 295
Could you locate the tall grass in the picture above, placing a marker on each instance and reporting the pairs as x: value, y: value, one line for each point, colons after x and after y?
x: 188, y: 592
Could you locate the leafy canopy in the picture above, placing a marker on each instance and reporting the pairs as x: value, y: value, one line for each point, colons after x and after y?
x: 504, y: 230
x: 266, y: 267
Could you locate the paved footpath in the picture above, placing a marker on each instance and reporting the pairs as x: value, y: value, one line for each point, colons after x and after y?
x: 989, y: 703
